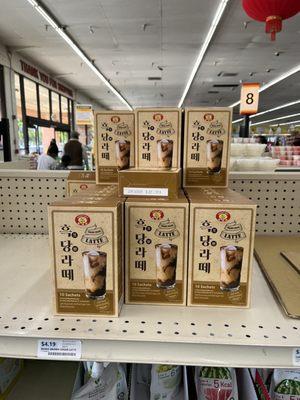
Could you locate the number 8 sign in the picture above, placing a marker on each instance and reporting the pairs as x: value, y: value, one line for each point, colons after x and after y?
x: 249, y: 98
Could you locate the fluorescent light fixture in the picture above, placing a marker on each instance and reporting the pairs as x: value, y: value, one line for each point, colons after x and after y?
x: 286, y: 123
x: 275, y: 119
x: 77, y: 50
x: 238, y: 120
x: 274, y: 81
x: 203, y: 49
x: 292, y: 103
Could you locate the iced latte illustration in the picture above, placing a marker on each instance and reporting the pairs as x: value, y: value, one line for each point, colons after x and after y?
x: 231, y: 266
x: 164, y: 153
x: 166, y: 260
x: 123, y: 154
x: 214, y: 151
x: 94, y: 270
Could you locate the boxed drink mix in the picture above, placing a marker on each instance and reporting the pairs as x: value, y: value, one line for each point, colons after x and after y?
x: 158, y: 138
x: 114, y: 144
x: 156, y: 238
x: 80, y: 181
x: 222, y: 228
x: 206, y: 154
x: 157, y: 183
x: 86, y: 245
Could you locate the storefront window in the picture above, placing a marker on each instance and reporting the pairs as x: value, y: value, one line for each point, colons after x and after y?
x: 61, y: 140
x: 55, y: 107
x: 19, y: 114
x: 44, y: 102
x: 64, y: 110
x: 30, y: 98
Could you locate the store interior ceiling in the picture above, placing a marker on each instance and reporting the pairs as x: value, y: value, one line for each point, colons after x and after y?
x: 147, y: 49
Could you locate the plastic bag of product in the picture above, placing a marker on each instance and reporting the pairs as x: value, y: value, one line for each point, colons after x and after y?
x: 166, y: 381
x: 103, y: 381
x: 285, y: 384
x: 216, y: 383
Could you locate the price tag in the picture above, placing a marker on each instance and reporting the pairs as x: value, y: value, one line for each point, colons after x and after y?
x: 249, y: 98
x: 59, y: 349
x: 296, y: 357
x: 160, y: 192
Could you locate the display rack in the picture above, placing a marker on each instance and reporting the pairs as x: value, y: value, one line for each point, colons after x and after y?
x: 260, y: 336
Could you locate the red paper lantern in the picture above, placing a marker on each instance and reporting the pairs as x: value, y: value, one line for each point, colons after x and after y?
x: 272, y: 12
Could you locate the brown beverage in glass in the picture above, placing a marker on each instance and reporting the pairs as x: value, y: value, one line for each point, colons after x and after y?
x: 214, y: 151
x: 231, y: 266
x: 166, y: 260
x: 94, y: 270
x: 123, y: 154
x: 164, y: 153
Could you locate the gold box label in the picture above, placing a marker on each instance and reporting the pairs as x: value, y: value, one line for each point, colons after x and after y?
x: 156, y: 254
x: 115, y: 149
x: 207, y: 140
x: 221, y: 252
x: 84, y: 260
x: 158, y: 138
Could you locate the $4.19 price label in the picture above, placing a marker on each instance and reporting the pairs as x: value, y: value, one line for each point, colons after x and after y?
x: 59, y: 349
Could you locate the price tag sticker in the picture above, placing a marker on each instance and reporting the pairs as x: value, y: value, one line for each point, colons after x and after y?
x: 59, y: 349
x: 296, y: 357
x: 135, y: 191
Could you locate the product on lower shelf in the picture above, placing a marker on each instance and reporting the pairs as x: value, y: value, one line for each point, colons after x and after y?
x: 105, y: 381
x: 156, y: 234
x: 222, y: 227
x: 80, y: 181
x: 158, y: 382
x: 285, y: 384
x: 216, y: 383
x: 86, y: 245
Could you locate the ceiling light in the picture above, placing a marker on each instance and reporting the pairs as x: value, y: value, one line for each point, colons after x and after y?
x: 77, y: 50
x: 292, y: 103
x: 286, y: 123
x: 274, y: 81
x: 275, y: 119
x: 213, y: 27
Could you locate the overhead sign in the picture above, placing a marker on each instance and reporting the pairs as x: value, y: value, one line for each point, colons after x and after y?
x: 249, y: 98
x: 84, y: 114
x: 44, y: 78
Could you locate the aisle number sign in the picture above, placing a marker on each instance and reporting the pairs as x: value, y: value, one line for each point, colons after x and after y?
x: 249, y: 98
x: 84, y: 114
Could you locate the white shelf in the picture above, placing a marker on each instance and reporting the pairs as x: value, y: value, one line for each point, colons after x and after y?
x: 46, y: 380
x: 257, y: 337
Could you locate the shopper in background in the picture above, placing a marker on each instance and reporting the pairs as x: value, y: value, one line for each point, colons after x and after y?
x: 48, y: 161
x: 76, y: 151
x: 64, y: 162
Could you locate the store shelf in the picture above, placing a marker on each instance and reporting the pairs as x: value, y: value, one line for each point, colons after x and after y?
x: 260, y: 336
x: 45, y: 380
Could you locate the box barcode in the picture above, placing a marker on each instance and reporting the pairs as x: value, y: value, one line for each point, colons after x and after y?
x: 57, y: 353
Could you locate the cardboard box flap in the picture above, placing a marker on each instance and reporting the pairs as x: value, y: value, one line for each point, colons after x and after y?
x: 82, y: 176
x: 78, y: 201
x: 217, y: 196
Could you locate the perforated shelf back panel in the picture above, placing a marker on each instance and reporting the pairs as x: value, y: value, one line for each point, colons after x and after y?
x: 277, y: 196
x: 25, y: 195
x: 24, y: 198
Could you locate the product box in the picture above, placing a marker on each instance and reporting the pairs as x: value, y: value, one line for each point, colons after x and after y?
x: 158, y: 138
x: 98, y: 191
x: 79, y: 181
x: 114, y: 144
x: 222, y: 228
x: 156, y: 238
x: 207, y: 137
x: 157, y: 183
x: 10, y: 369
x: 86, y: 245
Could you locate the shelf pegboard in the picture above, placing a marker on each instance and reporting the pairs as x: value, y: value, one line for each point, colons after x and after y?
x: 24, y: 196
x: 259, y: 336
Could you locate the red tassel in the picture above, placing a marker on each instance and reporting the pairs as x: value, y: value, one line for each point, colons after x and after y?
x: 273, y: 25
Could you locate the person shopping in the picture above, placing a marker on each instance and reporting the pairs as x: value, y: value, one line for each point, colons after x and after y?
x: 74, y: 149
x: 48, y: 161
